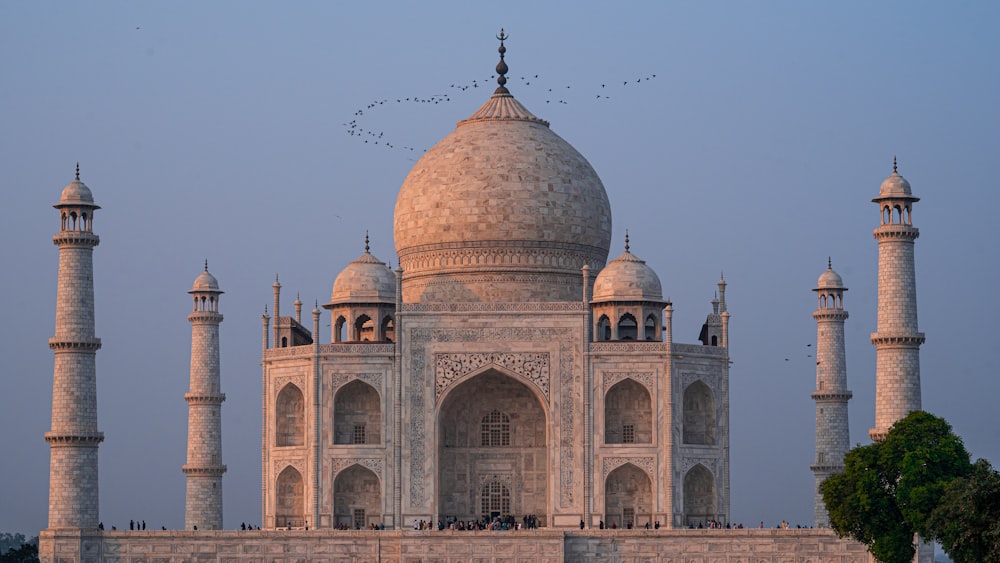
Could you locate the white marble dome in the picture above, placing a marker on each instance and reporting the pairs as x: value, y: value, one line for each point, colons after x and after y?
x: 830, y: 280
x: 627, y: 278
x: 365, y: 280
x: 205, y: 282
x: 895, y: 186
x: 501, y: 209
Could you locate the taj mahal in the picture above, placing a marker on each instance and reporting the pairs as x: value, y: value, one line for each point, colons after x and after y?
x: 505, y: 369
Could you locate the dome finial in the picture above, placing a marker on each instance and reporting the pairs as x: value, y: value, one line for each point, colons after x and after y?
x: 626, y: 241
x: 366, y: 242
x: 206, y: 264
x: 502, y: 66
x: 829, y: 263
x: 894, y: 171
x: 78, y: 170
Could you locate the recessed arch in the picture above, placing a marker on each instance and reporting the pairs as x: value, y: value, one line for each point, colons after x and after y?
x: 628, y: 497
x: 604, y: 328
x: 700, y: 503
x: 649, y: 330
x: 357, y: 497
x: 290, y: 417
x: 628, y: 414
x: 289, y: 502
x: 388, y: 329
x: 364, y: 328
x: 511, y: 406
x: 338, y: 329
x: 357, y: 414
x: 699, y: 414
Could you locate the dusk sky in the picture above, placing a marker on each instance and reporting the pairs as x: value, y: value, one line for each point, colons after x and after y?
x: 220, y: 130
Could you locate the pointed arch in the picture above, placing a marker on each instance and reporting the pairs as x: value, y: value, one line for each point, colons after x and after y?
x: 338, y: 329
x: 628, y: 497
x: 628, y: 328
x: 357, y: 497
x: 699, y: 414
x: 364, y: 328
x: 357, y: 414
x: 388, y: 329
x: 290, y: 499
x: 290, y: 417
x: 700, y: 503
x: 628, y: 414
x: 603, y: 328
x: 649, y: 330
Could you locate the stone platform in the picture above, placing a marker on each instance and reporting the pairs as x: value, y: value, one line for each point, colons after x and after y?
x: 408, y: 546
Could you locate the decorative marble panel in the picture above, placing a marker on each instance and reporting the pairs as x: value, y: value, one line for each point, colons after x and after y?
x: 373, y: 463
x: 613, y: 377
x: 453, y: 367
x: 648, y: 464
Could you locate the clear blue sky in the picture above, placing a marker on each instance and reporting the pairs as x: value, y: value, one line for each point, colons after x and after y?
x: 217, y: 130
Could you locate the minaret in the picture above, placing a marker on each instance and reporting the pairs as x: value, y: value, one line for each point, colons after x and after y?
x: 832, y: 432
x: 204, y: 469
x: 897, y: 341
x: 74, y: 439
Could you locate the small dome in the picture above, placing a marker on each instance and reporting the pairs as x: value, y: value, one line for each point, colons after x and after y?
x: 627, y: 278
x: 205, y: 282
x: 365, y: 280
x: 830, y: 279
x: 895, y: 186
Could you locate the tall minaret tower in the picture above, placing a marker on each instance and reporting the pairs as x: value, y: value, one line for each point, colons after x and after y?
x: 832, y: 433
x: 204, y: 469
x: 74, y: 439
x: 897, y: 341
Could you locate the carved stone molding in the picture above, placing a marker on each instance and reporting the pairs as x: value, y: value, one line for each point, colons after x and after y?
x: 279, y: 465
x: 374, y: 379
x: 709, y: 379
x: 472, y: 307
x: 451, y: 368
x: 710, y: 463
x: 279, y: 382
x: 643, y: 377
x: 373, y: 463
x: 629, y: 346
x: 648, y: 464
x: 502, y: 478
x: 359, y: 348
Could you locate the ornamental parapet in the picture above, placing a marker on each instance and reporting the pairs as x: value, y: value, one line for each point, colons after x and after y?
x: 832, y: 395
x: 205, y: 316
x: 628, y: 346
x: 74, y: 438
x: 699, y: 350
x: 830, y: 315
x: 878, y: 435
x: 76, y: 237
x: 79, y: 344
x: 827, y: 467
x: 905, y: 340
x: 205, y: 398
x: 905, y: 232
x: 210, y: 470
x: 345, y: 348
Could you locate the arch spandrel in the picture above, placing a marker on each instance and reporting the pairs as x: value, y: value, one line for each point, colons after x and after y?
x: 529, y: 368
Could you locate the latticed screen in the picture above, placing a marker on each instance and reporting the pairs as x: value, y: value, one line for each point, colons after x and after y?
x: 496, y: 429
x: 359, y: 518
x: 628, y: 434
x: 359, y: 433
x: 628, y: 516
x: 496, y: 500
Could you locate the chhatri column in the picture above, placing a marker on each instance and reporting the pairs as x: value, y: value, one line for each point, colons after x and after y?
x: 74, y: 439
x: 831, y: 395
x: 204, y: 469
x: 897, y: 340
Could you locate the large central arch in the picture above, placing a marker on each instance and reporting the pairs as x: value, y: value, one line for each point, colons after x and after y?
x: 491, y: 445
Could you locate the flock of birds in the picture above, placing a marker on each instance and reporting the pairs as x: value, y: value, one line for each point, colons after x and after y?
x: 359, y: 126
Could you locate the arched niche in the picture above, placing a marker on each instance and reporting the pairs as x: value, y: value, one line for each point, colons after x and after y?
x: 289, y: 501
x: 628, y: 497
x: 699, y: 415
x: 700, y: 503
x: 491, y: 428
x: 357, y: 497
x: 290, y: 417
x: 357, y: 414
x: 628, y: 414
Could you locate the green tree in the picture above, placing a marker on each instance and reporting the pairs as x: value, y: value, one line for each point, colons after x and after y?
x: 888, y: 490
x: 27, y: 552
x: 967, y: 520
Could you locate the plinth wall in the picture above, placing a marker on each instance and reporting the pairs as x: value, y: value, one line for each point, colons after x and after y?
x: 406, y: 546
